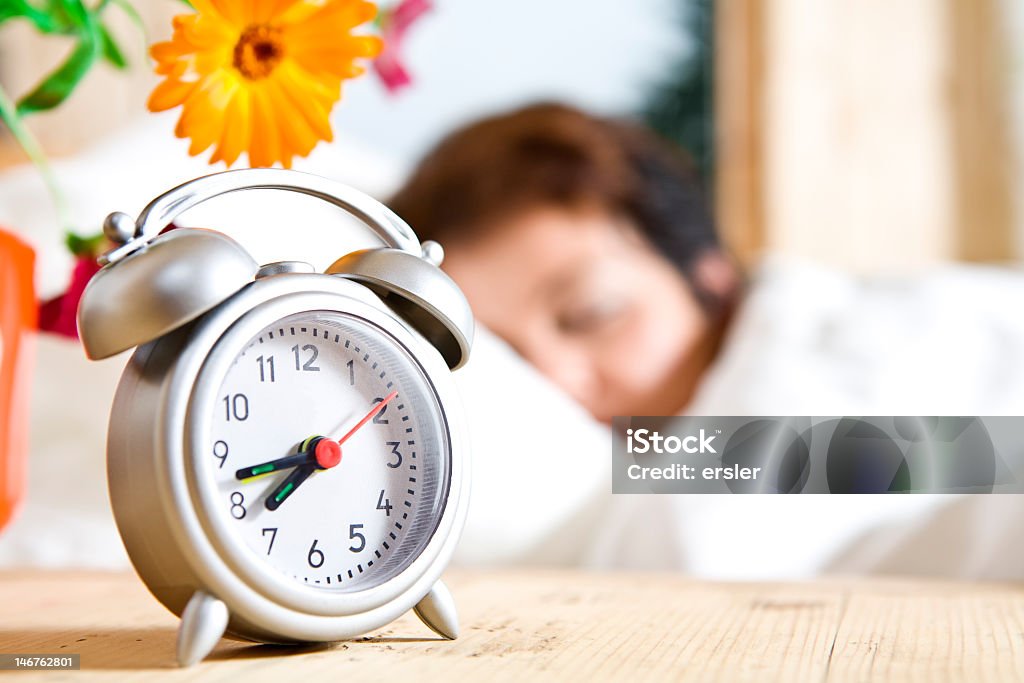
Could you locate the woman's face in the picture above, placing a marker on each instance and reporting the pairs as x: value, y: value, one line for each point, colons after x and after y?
x: 584, y: 298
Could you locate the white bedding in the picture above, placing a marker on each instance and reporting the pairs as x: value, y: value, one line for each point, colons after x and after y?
x: 807, y: 341
x: 811, y: 341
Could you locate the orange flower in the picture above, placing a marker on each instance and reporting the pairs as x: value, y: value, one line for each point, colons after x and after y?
x: 260, y: 76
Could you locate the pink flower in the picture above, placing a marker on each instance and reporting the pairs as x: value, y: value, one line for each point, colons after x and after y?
x: 395, y: 24
x: 59, y: 315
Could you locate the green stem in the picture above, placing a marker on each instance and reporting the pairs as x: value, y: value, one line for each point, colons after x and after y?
x: 32, y: 148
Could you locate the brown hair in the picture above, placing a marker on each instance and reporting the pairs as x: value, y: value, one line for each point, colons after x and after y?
x: 555, y: 155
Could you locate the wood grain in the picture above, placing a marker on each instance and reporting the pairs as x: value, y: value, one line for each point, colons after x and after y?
x: 548, y: 626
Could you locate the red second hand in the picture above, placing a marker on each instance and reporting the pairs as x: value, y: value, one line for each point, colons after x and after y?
x: 369, y: 416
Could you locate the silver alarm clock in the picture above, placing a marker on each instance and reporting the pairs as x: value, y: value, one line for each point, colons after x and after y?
x: 286, y: 456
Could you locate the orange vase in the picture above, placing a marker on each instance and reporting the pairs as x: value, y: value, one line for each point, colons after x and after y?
x: 17, y: 325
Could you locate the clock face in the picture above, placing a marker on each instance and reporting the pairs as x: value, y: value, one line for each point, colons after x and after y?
x: 328, y: 452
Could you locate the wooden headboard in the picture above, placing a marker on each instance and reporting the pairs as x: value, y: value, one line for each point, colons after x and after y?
x: 866, y: 134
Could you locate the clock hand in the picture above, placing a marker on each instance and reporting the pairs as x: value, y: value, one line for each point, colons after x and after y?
x: 288, y: 486
x: 318, y: 451
x: 369, y: 416
x: 322, y: 454
x: 326, y: 454
x: 301, y: 458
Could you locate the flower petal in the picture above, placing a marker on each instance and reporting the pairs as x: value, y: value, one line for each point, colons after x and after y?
x: 336, y: 60
x: 235, y: 137
x: 264, y: 146
x: 232, y: 11
x: 310, y: 20
x: 265, y: 11
x: 169, y: 94
x: 299, y: 130
x: 202, y: 117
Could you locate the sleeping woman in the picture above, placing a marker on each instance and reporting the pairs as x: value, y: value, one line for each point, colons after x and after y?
x: 586, y: 244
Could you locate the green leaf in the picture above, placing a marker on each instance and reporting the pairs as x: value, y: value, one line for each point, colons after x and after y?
x: 12, y: 8
x: 56, y: 87
x: 111, y: 52
x: 84, y: 246
x: 27, y: 141
x: 133, y: 14
x: 70, y: 17
x: 41, y: 19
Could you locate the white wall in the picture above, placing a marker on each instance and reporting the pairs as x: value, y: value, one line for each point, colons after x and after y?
x: 471, y: 57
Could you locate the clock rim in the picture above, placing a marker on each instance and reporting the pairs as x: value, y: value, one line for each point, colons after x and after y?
x: 204, y: 493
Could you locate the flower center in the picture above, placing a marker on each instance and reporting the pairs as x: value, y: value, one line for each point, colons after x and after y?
x: 258, y: 51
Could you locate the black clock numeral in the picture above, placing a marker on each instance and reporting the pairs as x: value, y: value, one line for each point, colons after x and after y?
x: 236, y: 407
x: 394, y: 451
x: 266, y: 364
x: 273, y: 535
x: 353, y: 533
x: 351, y: 373
x: 237, y: 507
x: 220, y: 451
x: 310, y: 364
x: 315, y: 557
x: 384, y: 504
x: 379, y: 418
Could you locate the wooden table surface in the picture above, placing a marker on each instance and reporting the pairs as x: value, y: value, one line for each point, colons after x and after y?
x: 547, y: 625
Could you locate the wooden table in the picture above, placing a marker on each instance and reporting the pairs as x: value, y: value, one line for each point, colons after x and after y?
x: 545, y: 625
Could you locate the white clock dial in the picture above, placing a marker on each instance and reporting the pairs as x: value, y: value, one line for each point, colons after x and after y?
x: 336, y: 525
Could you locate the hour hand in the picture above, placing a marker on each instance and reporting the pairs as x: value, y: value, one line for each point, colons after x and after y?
x: 287, y: 487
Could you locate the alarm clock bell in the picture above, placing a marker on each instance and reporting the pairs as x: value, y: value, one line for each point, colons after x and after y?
x: 419, y: 292
x: 159, y: 287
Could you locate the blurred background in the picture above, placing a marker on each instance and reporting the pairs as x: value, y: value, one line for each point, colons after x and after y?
x: 867, y: 138
x: 869, y: 135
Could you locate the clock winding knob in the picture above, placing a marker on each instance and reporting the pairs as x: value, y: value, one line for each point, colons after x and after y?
x: 119, y: 227
x: 433, y: 252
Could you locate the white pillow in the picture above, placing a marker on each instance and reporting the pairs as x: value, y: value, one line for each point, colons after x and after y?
x: 541, y: 463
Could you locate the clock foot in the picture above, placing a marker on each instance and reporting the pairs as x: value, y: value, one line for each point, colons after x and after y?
x: 437, y: 611
x: 202, y: 624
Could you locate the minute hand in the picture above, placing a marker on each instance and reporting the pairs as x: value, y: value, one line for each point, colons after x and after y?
x: 303, y: 458
x: 369, y: 416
